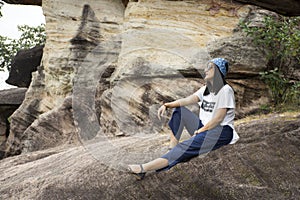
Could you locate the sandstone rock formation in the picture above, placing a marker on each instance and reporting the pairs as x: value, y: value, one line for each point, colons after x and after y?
x: 264, y: 164
x: 285, y: 7
x: 105, y: 70
x: 13, y: 96
x: 10, y: 100
x: 121, y: 64
x: 63, y: 57
x: 23, y: 64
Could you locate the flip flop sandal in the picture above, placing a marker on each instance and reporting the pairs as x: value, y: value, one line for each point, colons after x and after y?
x: 140, y: 175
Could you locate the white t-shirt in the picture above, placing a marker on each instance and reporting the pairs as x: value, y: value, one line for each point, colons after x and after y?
x: 210, y: 103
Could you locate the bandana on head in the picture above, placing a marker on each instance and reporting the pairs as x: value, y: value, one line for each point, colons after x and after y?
x: 221, y: 63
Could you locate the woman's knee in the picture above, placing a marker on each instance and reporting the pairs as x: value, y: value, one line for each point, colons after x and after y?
x: 179, y: 110
x: 176, y: 115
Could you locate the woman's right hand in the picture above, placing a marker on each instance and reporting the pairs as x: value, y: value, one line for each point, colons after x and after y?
x: 161, y: 111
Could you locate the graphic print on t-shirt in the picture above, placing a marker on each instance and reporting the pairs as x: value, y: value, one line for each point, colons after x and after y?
x: 208, y: 106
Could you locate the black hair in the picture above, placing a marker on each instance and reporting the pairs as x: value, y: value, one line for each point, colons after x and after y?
x: 218, y: 82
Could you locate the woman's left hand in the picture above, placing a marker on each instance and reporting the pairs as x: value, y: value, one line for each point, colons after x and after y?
x: 198, y: 131
x: 161, y: 111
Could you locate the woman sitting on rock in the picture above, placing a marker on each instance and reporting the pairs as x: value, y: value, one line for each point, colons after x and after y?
x: 211, y: 130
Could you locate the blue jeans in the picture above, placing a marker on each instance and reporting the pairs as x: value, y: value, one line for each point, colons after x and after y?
x: 201, y: 143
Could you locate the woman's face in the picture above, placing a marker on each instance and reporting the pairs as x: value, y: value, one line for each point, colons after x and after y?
x: 209, y: 72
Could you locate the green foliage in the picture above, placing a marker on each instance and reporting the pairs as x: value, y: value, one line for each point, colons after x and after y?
x: 277, y: 84
x: 280, y: 37
x: 294, y: 93
x: 30, y: 37
x: 264, y: 109
x: 283, y: 90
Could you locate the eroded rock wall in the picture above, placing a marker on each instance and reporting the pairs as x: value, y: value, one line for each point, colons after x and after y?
x: 106, y: 69
x: 285, y: 7
x: 118, y: 65
x: 72, y: 35
x: 165, y: 47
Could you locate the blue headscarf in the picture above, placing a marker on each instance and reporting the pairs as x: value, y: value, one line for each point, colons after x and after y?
x: 221, y: 63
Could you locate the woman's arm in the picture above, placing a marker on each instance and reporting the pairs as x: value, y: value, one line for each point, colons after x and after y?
x: 183, y: 102
x: 180, y: 102
x: 218, y: 118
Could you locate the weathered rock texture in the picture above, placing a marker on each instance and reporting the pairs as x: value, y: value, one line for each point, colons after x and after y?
x: 165, y: 47
x: 123, y: 63
x: 55, y: 128
x: 120, y: 64
x: 10, y: 100
x: 88, y: 24
x: 264, y: 164
x: 13, y: 96
x: 105, y: 70
x: 23, y: 64
x: 285, y: 7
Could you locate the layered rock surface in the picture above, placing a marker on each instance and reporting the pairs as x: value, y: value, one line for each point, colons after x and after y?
x: 73, y: 34
x: 120, y: 64
x: 165, y: 47
x: 105, y: 70
x: 10, y: 100
x: 264, y: 164
x: 285, y: 7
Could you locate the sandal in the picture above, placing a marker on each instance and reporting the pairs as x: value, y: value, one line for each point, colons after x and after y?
x: 140, y: 175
